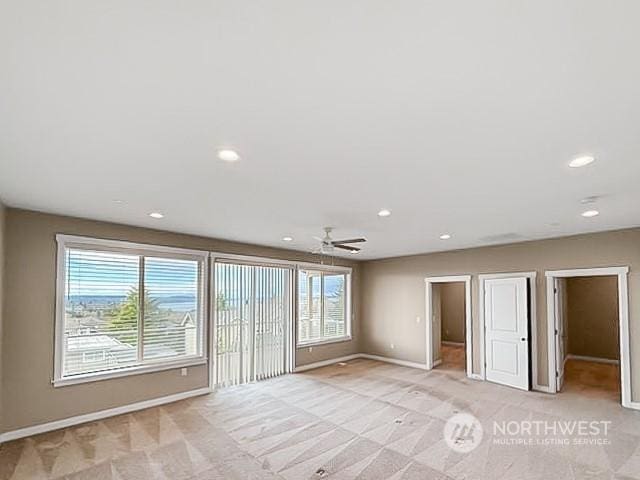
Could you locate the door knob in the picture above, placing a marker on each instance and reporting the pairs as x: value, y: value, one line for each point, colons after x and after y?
x: 523, y: 339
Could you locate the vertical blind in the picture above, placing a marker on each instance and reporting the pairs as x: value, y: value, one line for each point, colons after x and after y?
x: 122, y: 309
x: 253, y: 311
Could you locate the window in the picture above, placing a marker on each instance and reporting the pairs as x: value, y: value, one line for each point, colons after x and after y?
x: 124, y: 308
x: 323, y: 306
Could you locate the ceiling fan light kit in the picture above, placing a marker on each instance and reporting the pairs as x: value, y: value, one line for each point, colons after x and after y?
x: 328, y: 244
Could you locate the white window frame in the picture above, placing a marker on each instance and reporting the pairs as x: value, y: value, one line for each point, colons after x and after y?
x: 325, y: 269
x: 145, y: 366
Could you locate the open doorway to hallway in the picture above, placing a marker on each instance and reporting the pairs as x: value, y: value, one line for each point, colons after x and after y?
x: 588, y: 327
x: 448, y: 326
x: 449, y: 318
x: 588, y: 336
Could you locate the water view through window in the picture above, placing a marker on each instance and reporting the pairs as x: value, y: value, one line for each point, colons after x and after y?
x: 107, y: 324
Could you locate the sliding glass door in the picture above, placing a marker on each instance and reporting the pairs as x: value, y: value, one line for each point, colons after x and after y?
x: 253, y: 316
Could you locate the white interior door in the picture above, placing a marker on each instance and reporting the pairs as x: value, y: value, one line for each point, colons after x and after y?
x: 558, y: 289
x: 506, y: 336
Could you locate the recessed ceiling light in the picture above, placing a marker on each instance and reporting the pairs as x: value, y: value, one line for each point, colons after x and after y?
x: 384, y: 213
x: 355, y: 252
x: 582, y: 161
x: 228, y: 155
x: 156, y: 215
x: 117, y: 201
x: 590, y: 213
x: 287, y: 239
x: 446, y: 236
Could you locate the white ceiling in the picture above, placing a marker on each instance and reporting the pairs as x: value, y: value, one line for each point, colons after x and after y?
x: 459, y: 116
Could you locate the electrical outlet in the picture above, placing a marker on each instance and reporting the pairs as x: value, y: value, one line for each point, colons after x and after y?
x: 393, y: 346
x: 310, y: 349
x: 417, y: 319
x: 183, y: 372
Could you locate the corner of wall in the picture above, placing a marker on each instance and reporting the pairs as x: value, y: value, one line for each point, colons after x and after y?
x: 362, y: 309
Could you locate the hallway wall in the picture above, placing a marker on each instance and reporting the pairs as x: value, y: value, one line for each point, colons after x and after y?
x: 592, y: 311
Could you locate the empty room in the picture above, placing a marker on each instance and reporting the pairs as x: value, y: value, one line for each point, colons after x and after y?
x: 298, y: 240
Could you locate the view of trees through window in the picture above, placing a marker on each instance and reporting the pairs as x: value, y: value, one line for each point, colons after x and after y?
x: 321, y: 305
x: 105, y: 319
x: 124, y: 308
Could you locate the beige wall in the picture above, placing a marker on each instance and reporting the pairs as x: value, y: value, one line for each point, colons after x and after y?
x: 27, y: 345
x: 393, y: 292
x: 592, y: 311
x: 453, y: 312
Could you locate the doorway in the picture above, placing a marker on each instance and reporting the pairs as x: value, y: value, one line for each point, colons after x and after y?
x: 252, y: 305
x: 448, y: 323
x: 589, y: 317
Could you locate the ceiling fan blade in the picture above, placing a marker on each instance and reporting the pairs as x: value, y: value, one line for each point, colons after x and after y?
x: 348, y: 248
x: 351, y: 240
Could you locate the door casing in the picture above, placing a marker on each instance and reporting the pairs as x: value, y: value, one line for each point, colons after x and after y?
x: 623, y: 314
x: 429, y: 281
x: 560, y: 353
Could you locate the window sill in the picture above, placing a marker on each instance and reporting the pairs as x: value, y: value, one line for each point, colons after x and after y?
x: 126, y: 372
x: 324, y: 342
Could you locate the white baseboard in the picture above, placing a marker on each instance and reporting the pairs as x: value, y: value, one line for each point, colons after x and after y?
x: 111, y: 412
x: 395, y: 361
x: 92, y: 417
x: 592, y: 359
x: 453, y: 344
x: 324, y: 363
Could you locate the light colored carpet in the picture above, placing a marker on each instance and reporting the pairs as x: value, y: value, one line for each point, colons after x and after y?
x: 362, y: 420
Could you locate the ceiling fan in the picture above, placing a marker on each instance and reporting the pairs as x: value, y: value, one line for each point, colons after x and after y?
x: 327, y: 244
